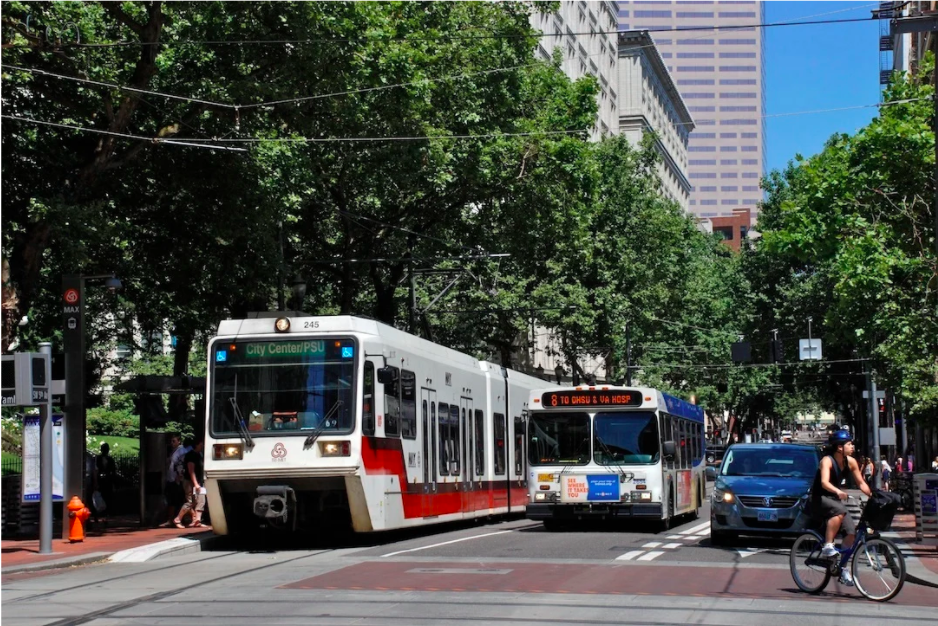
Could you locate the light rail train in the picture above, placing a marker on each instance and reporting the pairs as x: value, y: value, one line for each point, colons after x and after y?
x: 340, y: 421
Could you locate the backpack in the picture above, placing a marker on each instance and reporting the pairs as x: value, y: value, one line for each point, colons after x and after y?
x: 880, y: 509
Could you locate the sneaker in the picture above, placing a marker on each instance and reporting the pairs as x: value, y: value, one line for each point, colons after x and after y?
x: 846, y: 578
x: 829, y: 550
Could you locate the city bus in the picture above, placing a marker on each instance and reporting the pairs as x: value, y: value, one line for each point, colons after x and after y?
x: 613, y: 452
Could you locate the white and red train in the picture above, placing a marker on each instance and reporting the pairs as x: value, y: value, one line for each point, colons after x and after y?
x: 342, y: 421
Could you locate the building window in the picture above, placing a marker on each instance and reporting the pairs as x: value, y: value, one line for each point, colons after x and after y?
x: 738, y: 109
x: 750, y: 175
x: 752, y: 201
x: 702, y: 162
x: 699, y: 96
x: 662, y: 42
x: 652, y: 13
x: 737, y: 68
x: 702, y: 175
x: 737, y: 81
x: 727, y: 135
x: 710, y: 188
x: 727, y: 148
x: 708, y: 214
x: 708, y: 203
x: 729, y: 202
x: 750, y: 148
x: 750, y: 188
x: 701, y: 109
x: 123, y: 351
x: 750, y: 135
x: 738, y: 42
x: 695, y: 42
x: 742, y: 231
x: 706, y: 122
x: 737, y: 55
x: 695, y: 68
x: 701, y: 148
x: 695, y: 14
x: 738, y: 122
x: 695, y: 81
x: 695, y: 135
x: 726, y: 188
x: 727, y: 161
x: 724, y: 232
x: 665, y: 55
x: 728, y: 175
x: 750, y: 161
x: 695, y: 55
x: 724, y: 14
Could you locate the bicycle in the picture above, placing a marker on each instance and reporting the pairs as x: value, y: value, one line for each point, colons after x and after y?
x: 877, y: 565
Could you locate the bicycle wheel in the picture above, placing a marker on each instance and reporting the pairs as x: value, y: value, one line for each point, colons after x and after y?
x: 878, y: 569
x: 808, y: 568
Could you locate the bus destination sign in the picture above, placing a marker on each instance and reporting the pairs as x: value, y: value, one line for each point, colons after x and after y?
x: 591, y: 398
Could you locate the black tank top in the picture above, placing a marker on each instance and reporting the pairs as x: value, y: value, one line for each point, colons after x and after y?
x: 817, y: 491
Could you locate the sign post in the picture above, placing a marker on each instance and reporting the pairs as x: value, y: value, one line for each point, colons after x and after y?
x: 73, y: 310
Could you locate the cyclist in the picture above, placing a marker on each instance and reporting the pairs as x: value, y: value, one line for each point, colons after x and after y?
x: 827, y: 498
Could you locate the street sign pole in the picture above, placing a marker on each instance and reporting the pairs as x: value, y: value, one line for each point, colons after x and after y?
x: 874, y: 417
x: 45, y: 455
x: 73, y: 301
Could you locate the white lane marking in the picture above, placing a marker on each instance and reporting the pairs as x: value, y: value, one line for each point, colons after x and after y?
x: 628, y: 556
x: 142, y: 554
x: 671, y: 546
x: 435, y: 545
x: 652, y: 544
x: 695, y: 529
x: 654, y: 554
x: 744, y: 552
x: 676, y: 537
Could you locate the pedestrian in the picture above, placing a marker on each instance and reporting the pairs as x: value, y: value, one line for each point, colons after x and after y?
x: 909, y: 462
x: 899, y: 468
x: 105, y: 474
x: 192, y: 485
x: 934, y: 465
x: 867, y: 467
x: 175, y: 472
x: 886, y: 472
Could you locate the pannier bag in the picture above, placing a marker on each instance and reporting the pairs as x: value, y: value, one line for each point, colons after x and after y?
x: 880, y: 509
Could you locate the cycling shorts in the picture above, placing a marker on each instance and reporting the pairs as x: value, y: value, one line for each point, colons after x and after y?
x: 826, y: 508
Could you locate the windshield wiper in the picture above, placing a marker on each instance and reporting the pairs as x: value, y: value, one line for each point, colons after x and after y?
x: 612, y: 457
x: 322, y: 426
x: 243, y: 432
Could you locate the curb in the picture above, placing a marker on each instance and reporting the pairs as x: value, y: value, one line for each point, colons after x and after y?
x: 171, y: 547
x: 72, y: 561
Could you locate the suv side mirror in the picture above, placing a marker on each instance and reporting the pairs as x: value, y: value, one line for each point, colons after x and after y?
x: 670, y: 449
x: 387, y: 374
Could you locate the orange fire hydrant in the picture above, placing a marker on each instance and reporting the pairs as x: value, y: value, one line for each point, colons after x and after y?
x: 79, y: 514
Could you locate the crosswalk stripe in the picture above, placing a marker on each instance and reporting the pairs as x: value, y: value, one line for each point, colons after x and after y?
x: 652, y: 544
x: 675, y: 537
x: 628, y: 556
x: 671, y: 546
x: 650, y: 556
x: 695, y: 529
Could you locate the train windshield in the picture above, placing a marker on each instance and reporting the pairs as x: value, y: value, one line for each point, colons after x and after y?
x: 559, y: 438
x: 625, y: 438
x: 280, y: 386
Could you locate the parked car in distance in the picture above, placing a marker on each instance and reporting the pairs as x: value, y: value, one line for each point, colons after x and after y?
x: 786, y: 436
x: 714, y: 458
x: 762, y: 489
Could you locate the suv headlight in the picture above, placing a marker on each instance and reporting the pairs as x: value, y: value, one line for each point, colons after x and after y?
x: 726, y: 496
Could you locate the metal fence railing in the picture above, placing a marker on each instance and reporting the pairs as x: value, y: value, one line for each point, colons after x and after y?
x: 127, y: 466
x: 11, y: 465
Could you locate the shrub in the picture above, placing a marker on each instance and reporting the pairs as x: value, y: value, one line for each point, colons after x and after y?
x: 103, y: 421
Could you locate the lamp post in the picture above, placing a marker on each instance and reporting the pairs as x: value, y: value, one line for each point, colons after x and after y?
x: 73, y: 296
x: 299, y: 292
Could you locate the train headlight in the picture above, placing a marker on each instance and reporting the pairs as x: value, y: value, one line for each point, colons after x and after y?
x: 282, y: 325
x: 540, y: 497
x: 227, y: 451
x: 335, y: 448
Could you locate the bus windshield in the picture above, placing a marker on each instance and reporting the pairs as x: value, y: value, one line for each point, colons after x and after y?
x: 559, y: 439
x: 277, y: 386
x: 626, y: 438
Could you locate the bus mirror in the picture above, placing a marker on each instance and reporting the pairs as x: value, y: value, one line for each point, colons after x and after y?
x: 669, y: 449
x: 387, y: 375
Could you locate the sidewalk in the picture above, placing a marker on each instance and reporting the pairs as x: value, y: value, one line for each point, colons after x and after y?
x: 122, y: 533
x: 921, y: 560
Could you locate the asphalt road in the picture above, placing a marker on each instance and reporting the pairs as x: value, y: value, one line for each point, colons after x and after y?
x: 504, y: 572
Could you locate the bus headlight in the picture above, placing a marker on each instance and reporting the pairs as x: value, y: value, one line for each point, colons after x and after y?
x: 227, y: 451
x: 335, y: 448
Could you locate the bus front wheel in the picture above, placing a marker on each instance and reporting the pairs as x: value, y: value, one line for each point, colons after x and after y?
x: 667, y: 523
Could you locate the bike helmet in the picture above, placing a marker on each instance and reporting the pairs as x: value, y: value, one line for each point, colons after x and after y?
x: 840, y: 437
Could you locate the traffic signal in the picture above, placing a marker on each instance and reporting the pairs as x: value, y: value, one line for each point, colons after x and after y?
x: 741, y: 352
x: 776, y: 352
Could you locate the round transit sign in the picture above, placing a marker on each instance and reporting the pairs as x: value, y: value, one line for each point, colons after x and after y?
x: 71, y: 296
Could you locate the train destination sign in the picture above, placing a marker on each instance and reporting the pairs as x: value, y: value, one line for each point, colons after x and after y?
x: 591, y: 398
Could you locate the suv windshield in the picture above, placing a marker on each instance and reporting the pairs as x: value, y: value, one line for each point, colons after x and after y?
x: 559, y: 439
x: 278, y: 386
x: 625, y: 438
x: 777, y: 462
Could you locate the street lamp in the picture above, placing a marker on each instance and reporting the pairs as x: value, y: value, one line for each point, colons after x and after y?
x: 73, y: 296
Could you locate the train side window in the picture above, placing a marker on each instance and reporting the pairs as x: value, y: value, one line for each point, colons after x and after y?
x: 368, y: 400
x: 519, y: 446
x: 408, y: 404
x: 499, y: 444
x: 480, y: 442
x: 443, y: 439
x: 392, y: 406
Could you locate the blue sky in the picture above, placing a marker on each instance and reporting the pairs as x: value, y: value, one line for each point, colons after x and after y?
x: 818, y: 67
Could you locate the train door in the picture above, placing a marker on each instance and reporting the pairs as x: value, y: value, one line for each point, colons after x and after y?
x: 429, y: 435
x: 466, y: 437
